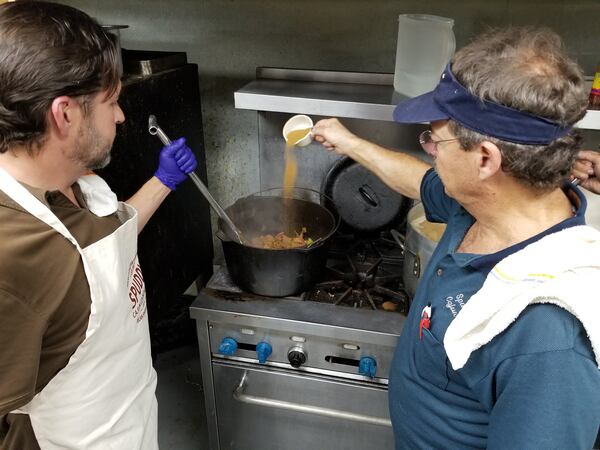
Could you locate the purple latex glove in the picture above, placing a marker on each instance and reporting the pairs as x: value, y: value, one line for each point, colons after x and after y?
x: 176, y: 160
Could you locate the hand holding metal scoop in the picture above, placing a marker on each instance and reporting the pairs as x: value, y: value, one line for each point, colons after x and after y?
x: 230, y: 229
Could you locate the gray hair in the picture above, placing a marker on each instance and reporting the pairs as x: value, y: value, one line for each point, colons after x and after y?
x: 525, y: 69
x: 48, y: 50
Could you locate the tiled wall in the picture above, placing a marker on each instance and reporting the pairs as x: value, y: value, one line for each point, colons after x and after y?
x: 228, y: 39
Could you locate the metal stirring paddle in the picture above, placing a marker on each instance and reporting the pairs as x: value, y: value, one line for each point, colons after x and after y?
x: 230, y: 229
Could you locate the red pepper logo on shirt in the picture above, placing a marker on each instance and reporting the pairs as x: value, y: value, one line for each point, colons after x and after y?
x: 425, y: 321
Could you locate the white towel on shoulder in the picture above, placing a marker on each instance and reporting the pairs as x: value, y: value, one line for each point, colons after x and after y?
x: 562, y: 268
x: 100, y: 199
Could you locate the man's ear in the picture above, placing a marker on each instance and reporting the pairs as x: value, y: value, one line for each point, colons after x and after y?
x: 490, y: 160
x: 62, y: 114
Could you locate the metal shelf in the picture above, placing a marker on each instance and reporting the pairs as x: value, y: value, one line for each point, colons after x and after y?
x: 321, y: 93
x: 355, y: 95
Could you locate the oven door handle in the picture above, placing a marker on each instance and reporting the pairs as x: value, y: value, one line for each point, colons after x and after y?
x: 241, y: 396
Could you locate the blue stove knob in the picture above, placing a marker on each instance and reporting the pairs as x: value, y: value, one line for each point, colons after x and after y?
x: 228, y: 346
x: 367, y: 366
x: 263, y: 351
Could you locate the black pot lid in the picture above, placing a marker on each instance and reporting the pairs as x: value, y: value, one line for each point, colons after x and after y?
x: 362, y: 200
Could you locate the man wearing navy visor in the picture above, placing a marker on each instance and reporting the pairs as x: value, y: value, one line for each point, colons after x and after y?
x: 501, y: 348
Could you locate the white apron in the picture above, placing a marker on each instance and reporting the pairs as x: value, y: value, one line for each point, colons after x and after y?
x: 105, y: 397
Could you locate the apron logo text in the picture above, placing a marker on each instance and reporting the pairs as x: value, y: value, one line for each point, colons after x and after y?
x: 137, y: 291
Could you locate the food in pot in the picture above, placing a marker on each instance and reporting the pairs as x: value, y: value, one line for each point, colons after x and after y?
x: 282, y: 241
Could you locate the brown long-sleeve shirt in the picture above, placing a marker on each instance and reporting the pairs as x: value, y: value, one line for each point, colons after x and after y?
x: 44, y: 302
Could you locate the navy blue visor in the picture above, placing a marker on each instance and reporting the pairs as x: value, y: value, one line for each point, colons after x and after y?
x: 451, y: 100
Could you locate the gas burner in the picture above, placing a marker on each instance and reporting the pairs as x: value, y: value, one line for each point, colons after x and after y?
x: 382, y: 246
x: 363, y: 283
x: 376, y: 297
x: 363, y: 273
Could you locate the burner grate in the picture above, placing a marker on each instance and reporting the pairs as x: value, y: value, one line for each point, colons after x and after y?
x: 368, y: 274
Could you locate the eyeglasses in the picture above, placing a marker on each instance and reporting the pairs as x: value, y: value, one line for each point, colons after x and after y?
x: 429, y: 145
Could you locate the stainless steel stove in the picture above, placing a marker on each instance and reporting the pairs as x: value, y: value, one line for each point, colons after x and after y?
x: 309, y: 371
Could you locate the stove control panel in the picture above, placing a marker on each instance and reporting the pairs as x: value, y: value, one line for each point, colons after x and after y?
x: 296, y: 349
x: 296, y: 356
x: 228, y: 346
x: 263, y: 351
x: 367, y: 366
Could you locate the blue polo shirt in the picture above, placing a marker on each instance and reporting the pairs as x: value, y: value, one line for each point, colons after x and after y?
x: 534, y: 386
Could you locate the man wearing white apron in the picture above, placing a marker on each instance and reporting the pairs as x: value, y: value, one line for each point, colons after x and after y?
x: 75, y: 365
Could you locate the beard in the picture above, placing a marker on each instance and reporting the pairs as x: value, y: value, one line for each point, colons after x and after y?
x: 92, y: 150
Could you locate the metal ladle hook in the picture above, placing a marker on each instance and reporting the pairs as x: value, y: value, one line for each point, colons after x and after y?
x: 155, y: 130
x: 231, y: 230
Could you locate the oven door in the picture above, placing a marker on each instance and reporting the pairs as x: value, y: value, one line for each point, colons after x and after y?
x: 263, y: 408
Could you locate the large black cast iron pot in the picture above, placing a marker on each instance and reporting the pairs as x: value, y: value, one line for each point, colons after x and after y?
x: 275, y: 272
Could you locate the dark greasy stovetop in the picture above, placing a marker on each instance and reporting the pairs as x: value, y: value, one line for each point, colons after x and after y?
x: 363, y: 272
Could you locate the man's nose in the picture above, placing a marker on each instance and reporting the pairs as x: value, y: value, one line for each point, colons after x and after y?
x: 119, y: 115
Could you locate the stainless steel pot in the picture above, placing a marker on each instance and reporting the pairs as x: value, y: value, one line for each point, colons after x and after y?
x: 421, y: 240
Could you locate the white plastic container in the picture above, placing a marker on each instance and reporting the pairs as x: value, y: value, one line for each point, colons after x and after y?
x: 299, y: 122
x: 425, y: 45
